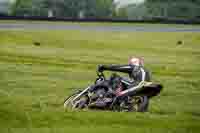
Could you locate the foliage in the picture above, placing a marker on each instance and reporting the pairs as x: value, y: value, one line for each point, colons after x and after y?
x: 173, y: 8
x: 65, y: 8
x: 22, y: 7
x: 183, y: 9
x: 122, y: 13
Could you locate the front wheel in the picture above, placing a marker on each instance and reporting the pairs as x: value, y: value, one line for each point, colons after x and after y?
x: 80, y: 103
x: 68, y: 103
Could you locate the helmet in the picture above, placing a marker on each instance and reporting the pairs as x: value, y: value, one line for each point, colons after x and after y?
x: 136, y: 61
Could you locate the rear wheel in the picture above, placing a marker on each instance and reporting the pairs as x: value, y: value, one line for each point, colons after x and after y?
x: 134, y: 104
x: 139, y: 104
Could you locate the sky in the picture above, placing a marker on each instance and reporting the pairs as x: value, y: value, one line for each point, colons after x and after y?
x: 121, y: 1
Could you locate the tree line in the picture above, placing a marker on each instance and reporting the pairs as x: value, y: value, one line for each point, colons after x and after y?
x: 64, y: 8
x: 107, y: 9
x: 188, y: 9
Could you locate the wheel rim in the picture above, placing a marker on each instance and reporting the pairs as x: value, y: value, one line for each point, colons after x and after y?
x: 72, y: 105
x: 68, y: 103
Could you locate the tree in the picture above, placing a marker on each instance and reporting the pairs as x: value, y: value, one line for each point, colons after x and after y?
x: 122, y: 13
x: 22, y: 7
x: 173, y: 8
x: 99, y: 8
x: 28, y: 8
x: 136, y: 11
x: 65, y: 8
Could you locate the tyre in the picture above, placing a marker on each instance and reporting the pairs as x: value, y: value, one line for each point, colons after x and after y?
x: 80, y: 103
x: 68, y: 103
x: 139, y: 104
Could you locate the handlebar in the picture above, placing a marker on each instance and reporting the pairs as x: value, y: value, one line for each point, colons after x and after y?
x: 100, y: 75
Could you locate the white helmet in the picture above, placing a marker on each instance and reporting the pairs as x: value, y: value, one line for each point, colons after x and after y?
x: 136, y: 61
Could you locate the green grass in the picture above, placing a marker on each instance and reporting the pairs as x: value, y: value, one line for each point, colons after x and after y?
x: 34, y: 80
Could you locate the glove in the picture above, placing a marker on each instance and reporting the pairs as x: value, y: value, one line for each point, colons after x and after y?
x: 100, y: 68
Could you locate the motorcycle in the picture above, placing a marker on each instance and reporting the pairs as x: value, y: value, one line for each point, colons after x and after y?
x: 113, y: 94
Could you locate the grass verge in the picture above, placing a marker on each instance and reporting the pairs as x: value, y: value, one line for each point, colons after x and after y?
x: 35, y: 79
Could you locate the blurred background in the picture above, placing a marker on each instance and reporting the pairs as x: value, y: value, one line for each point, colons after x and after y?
x: 111, y: 9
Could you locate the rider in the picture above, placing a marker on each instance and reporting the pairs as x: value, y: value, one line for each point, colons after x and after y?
x: 135, y: 69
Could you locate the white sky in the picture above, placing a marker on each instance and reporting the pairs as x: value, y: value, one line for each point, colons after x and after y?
x: 125, y: 2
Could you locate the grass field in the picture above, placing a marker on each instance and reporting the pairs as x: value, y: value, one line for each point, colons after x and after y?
x: 34, y: 80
